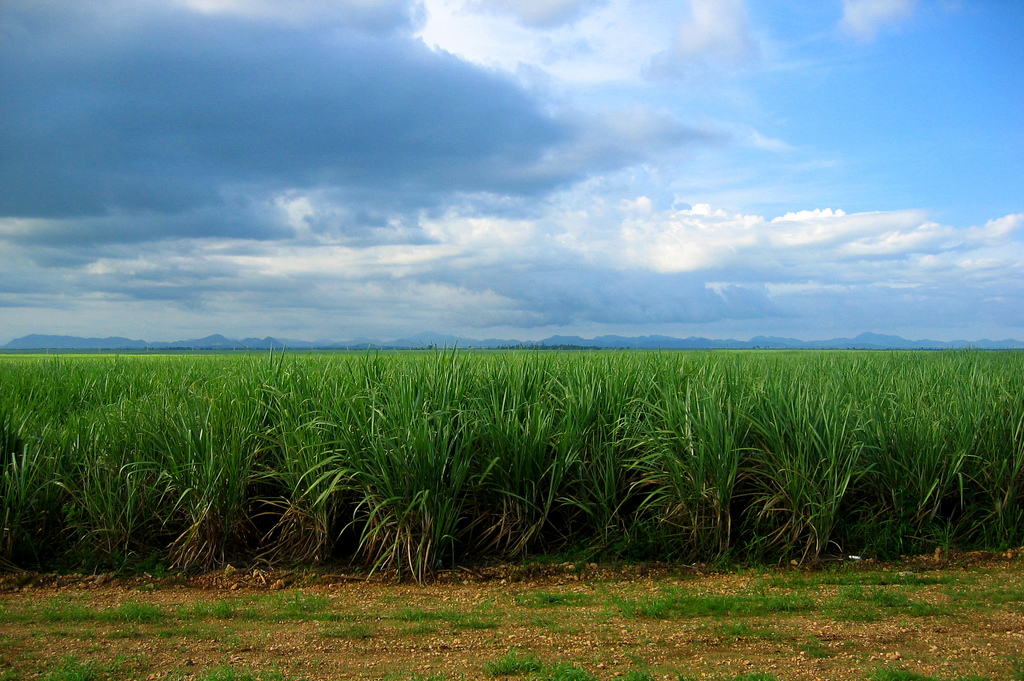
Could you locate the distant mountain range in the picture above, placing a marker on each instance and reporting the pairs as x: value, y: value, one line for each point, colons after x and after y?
x: 865, y: 341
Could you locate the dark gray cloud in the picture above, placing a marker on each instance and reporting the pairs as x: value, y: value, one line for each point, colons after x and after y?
x: 376, y: 16
x: 79, y: 237
x: 167, y: 110
x: 130, y: 122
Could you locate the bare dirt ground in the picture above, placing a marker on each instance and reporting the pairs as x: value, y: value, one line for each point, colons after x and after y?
x: 944, y: 617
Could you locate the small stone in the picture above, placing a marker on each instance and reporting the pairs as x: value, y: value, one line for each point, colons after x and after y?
x: 229, y: 570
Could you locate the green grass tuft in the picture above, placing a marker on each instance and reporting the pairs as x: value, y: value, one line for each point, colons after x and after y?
x: 512, y: 664
x: 566, y: 672
x: 351, y: 631
x: 73, y: 670
x: 136, y: 612
x: 231, y: 674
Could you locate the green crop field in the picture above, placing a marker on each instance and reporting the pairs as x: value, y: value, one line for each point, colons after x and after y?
x: 417, y: 461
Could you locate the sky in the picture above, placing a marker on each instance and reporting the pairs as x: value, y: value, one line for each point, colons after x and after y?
x: 347, y: 169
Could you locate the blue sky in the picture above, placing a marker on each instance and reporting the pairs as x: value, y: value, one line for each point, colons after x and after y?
x: 337, y: 169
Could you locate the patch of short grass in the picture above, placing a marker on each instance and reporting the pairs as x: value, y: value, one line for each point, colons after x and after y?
x: 73, y: 670
x: 674, y: 604
x: 67, y: 610
x: 478, y: 623
x: 842, y: 610
x: 420, y: 615
x: 815, y: 648
x: 919, y: 609
x: 134, y: 611
x: 854, y: 577
x: 231, y: 674
x: 300, y: 606
x: 452, y: 618
x: 894, y: 674
x: 990, y: 597
x: 551, y: 599
x: 746, y: 630
x: 221, y: 610
x: 421, y: 629
x: 755, y: 676
x: 735, y: 629
x: 188, y: 630
x: 129, y: 632
x: 777, y: 603
x: 232, y: 642
x: 555, y: 625
x: 566, y: 672
x: 62, y: 609
x: 513, y: 664
x: 855, y: 603
x: 890, y: 674
x: 350, y: 631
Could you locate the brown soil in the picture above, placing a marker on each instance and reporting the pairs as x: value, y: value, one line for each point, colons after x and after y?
x: 968, y: 620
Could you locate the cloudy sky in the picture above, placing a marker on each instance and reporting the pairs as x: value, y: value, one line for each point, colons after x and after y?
x: 335, y: 169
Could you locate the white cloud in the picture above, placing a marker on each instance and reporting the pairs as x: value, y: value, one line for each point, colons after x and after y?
x: 821, y: 245
x: 608, y: 41
x: 538, y: 13
x: 755, y: 139
x: 581, y: 262
x: 718, y: 29
x: 864, y: 18
x: 999, y: 229
x: 716, y: 33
